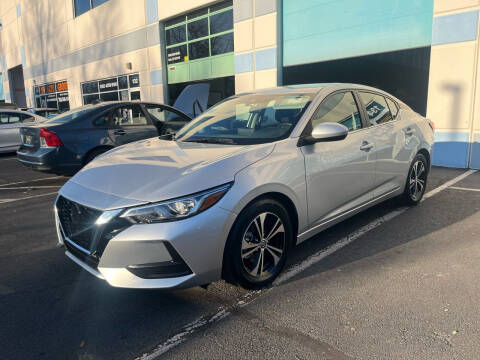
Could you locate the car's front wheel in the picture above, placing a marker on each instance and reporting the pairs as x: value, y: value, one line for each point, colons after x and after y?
x: 258, y: 244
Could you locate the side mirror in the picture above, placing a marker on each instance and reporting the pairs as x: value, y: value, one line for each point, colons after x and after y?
x: 325, y: 132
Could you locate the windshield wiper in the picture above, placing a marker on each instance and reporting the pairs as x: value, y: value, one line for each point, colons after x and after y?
x: 211, y: 140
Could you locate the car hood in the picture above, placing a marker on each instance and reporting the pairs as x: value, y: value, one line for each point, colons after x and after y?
x: 154, y: 170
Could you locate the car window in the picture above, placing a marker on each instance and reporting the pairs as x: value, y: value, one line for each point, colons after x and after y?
x: 13, y: 118
x: 393, y: 108
x: 248, y: 119
x: 3, y: 118
x: 339, y: 108
x: 131, y: 115
x: 377, y: 108
x: 102, y: 120
x: 27, y: 118
x: 158, y: 113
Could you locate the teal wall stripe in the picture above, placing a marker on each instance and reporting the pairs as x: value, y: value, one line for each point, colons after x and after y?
x: 19, y: 10
x: 151, y: 7
x: 321, y: 30
x: 451, y: 149
x: 455, y: 28
x: 475, y: 152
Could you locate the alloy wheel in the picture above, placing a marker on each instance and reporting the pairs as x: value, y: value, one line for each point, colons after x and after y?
x: 263, y: 246
x: 417, y: 180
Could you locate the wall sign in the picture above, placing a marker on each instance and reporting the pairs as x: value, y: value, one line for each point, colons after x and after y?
x: 52, y: 95
x: 123, y: 87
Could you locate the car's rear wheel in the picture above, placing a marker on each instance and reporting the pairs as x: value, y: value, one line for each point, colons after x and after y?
x: 258, y: 244
x: 93, y: 154
x: 416, y: 180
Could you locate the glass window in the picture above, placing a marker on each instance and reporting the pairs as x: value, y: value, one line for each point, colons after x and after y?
x: 222, y: 44
x: 197, y: 29
x: 248, y: 119
x: 198, y: 49
x: 221, y: 5
x: 174, y: 21
x: 197, y: 13
x: 102, y: 120
x: 90, y: 87
x: 123, y: 82
x: 96, y: 3
x: 338, y: 108
x: 74, y: 114
x: 109, y: 96
x: 90, y: 99
x: 3, y: 118
x: 176, y: 35
x: 135, y: 95
x: 393, y: 108
x: 134, y: 80
x: 176, y: 54
x: 81, y: 6
x: 221, y: 22
x: 129, y: 116
x: 377, y: 108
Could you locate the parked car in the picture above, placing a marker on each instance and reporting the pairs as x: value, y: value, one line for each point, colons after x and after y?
x: 10, y: 123
x: 67, y: 142
x: 45, y: 112
x: 241, y: 184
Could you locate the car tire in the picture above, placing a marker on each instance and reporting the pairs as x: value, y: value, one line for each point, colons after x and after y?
x: 258, y: 244
x: 93, y: 154
x: 416, y: 181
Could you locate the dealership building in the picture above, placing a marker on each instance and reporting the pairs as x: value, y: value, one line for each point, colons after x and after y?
x: 67, y: 53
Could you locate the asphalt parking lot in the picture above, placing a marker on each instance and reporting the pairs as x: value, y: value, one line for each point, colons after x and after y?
x: 390, y: 283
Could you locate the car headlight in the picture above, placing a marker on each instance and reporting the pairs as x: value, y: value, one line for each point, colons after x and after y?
x: 176, y: 209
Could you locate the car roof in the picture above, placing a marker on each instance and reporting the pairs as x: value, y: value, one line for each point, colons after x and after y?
x: 311, y: 88
x: 18, y: 112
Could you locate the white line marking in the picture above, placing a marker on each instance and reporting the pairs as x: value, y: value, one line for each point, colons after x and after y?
x: 294, y: 270
x: 30, y: 187
x: 449, y: 183
x: 13, y: 158
x: 23, y: 182
x: 462, y: 188
x: 26, y: 197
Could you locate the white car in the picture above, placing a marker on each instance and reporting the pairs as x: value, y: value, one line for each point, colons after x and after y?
x: 241, y: 184
x: 10, y: 123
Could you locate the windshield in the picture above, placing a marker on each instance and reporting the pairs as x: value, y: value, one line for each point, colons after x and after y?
x: 248, y: 119
x: 72, y: 114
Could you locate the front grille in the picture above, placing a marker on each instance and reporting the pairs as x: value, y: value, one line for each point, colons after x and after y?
x: 78, y: 222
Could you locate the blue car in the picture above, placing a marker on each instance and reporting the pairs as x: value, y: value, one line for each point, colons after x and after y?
x: 65, y: 143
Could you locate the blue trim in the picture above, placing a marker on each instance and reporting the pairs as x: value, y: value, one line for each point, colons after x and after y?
x: 22, y: 55
x: 266, y: 59
x: 243, y: 63
x: 151, y: 7
x: 475, y: 157
x: 19, y: 10
x: 451, y: 149
x: 3, y: 62
x: 455, y: 28
x: 156, y: 77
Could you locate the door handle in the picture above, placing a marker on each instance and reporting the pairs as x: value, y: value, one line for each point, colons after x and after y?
x: 409, y: 131
x: 366, y: 146
x: 120, y: 132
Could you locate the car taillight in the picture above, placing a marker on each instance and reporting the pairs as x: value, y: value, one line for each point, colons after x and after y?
x: 49, y: 138
x: 432, y: 125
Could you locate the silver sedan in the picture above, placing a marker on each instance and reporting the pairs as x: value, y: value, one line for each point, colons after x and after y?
x: 10, y: 123
x: 241, y: 184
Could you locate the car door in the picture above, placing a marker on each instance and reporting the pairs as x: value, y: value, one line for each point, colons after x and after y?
x: 9, y: 129
x: 129, y: 123
x: 393, y: 139
x: 166, y: 119
x: 339, y: 174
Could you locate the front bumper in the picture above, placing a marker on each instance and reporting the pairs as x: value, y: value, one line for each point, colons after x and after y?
x: 152, y: 255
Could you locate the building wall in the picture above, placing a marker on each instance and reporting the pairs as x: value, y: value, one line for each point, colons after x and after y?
x: 453, y: 96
